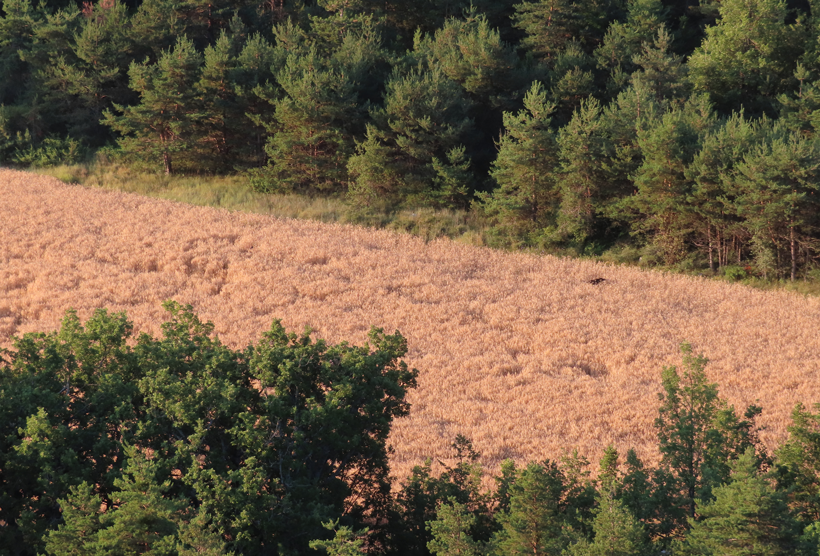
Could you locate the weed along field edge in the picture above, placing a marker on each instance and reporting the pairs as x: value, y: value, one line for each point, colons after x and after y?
x: 523, y: 354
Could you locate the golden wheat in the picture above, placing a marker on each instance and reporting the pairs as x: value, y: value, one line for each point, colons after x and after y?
x: 518, y: 352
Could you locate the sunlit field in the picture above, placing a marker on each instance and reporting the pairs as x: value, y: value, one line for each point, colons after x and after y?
x: 520, y: 353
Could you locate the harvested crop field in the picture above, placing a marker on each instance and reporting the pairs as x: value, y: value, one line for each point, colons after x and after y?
x: 521, y: 353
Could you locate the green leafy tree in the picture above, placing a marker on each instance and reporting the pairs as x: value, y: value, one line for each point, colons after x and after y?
x: 550, y: 24
x: 617, y: 532
x: 668, y: 147
x: 624, y: 40
x: 345, y: 541
x: 584, y: 182
x: 798, y: 464
x: 162, y: 125
x: 719, y: 230
x: 451, y: 531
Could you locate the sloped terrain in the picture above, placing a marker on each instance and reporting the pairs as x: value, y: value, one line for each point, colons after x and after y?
x: 521, y: 353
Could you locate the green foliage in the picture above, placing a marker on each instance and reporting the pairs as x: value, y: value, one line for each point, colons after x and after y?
x: 424, y: 117
x: 162, y: 125
x: 525, y: 200
x: 257, y: 446
x: 749, y: 56
x: 746, y: 517
x: 698, y: 433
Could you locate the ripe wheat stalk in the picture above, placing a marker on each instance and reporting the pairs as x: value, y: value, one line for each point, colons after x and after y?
x: 518, y: 352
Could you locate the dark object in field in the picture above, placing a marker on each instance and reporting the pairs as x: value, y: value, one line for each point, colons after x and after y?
x: 596, y: 281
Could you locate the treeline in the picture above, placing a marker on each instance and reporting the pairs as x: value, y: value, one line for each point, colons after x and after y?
x: 178, y: 445
x: 686, y: 130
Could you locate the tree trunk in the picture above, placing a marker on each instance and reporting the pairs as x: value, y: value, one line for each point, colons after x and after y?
x: 792, y: 245
x: 166, y: 158
x: 711, y: 260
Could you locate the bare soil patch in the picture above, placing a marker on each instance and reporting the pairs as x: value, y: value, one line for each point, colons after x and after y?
x: 529, y: 356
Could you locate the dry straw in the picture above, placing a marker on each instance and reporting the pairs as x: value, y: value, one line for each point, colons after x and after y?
x: 520, y: 353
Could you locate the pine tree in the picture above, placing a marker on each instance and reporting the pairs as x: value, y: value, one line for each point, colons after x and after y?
x: 747, y: 517
x: 162, y: 125
x: 668, y: 147
x: 698, y: 433
x: 424, y: 117
x: 533, y: 525
x: 777, y: 181
x: 451, y: 531
x: 617, y: 532
x: 142, y: 519
x: 309, y: 147
x: 719, y: 230
x: 524, y: 203
x: 550, y: 24
x: 798, y: 464
x: 749, y: 56
x: 81, y: 522
x: 584, y: 183
x: 661, y: 70
x: 625, y: 39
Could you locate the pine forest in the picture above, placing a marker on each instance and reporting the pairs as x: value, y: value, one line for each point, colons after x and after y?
x: 683, y: 136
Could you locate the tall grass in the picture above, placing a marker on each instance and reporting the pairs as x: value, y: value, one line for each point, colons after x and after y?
x: 234, y: 193
x: 519, y: 352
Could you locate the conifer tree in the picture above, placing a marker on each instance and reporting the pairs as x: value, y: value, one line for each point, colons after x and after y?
x: 699, y: 433
x: 625, y: 39
x: 451, y: 531
x: 617, y: 532
x: 661, y: 70
x: 583, y: 181
x: 668, y: 147
x: 524, y: 203
x: 801, y: 112
x: 776, y: 183
x: 747, y: 517
x: 550, y: 24
x: 425, y: 115
x: 533, y: 525
x: 748, y: 56
x: 162, y: 125
x: 798, y: 463
x: 310, y: 144
x: 719, y: 230
x: 81, y: 522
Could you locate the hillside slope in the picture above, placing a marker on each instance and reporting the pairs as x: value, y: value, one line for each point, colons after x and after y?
x: 520, y: 353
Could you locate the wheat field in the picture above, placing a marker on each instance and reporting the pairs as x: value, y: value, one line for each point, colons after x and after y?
x: 518, y: 352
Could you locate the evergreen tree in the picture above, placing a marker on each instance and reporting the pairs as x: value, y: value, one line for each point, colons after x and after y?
x: 776, y: 183
x: 749, y: 56
x: 524, y: 203
x: 617, y: 532
x: 699, y: 433
x: 451, y: 531
x: 143, y: 519
x: 747, y: 517
x: 624, y: 40
x: 668, y: 147
x: 533, y: 525
x: 550, y: 24
x: 583, y: 182
x: 424, y: 117
x: 162, y: 125
x: 661, y: 71
x: 719, y: 230
x: 798, y: 464
x: 802, y: 111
